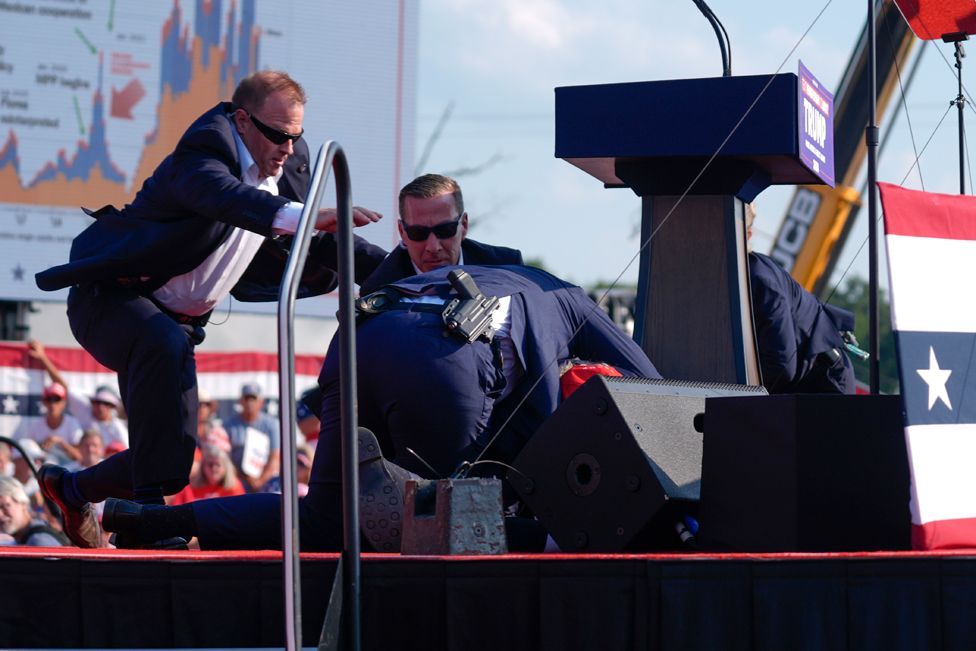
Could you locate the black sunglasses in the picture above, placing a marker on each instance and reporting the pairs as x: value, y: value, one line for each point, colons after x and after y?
x: 441, y: 231
x: 272, y: 134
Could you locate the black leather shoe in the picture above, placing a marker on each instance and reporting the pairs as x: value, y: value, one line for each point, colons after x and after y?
x: 382, y: 485
x: 121, y: 515
x: 80, y: 525
x: 124, y: 518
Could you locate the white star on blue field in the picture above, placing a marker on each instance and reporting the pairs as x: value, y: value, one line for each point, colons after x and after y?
x: 938, y: 375
x: 10, y: 405
x: 936, y: 378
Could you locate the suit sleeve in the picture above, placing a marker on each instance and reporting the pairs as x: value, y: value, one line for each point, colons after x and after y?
x: 775, y: 331
x: 366, y: 255
x: 600, y: 340
x: 262, y: 280
x: 204, y: 181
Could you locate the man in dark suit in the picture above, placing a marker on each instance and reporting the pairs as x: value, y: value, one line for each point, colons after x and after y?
x: 799, y: 338
x: 211, y: 220
x: 421, y: 388
x: 801, y: 349
x: 433, y: 232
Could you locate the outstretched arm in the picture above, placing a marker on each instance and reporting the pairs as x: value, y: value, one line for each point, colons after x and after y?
x: 35, y: 350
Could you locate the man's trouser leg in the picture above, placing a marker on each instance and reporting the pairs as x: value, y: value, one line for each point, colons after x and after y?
x: 153, y: 357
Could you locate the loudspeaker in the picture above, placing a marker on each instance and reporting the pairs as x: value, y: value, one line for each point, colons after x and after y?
x: 813, y: 473
x: 614, y: 455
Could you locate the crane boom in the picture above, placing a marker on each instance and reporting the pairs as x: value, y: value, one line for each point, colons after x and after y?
x: 818, y: 218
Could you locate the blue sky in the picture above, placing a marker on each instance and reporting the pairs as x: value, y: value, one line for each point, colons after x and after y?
x: 498, y: 61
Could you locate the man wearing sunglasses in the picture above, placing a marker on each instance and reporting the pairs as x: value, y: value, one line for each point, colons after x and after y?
x: 433, y: 228
x: 212, y: 220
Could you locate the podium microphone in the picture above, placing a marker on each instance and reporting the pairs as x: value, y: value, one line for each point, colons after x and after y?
x: 723, y: 37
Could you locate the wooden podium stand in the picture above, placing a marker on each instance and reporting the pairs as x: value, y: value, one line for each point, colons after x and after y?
x: 719, y: 142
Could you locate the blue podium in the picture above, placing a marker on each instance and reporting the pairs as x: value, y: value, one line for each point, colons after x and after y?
x: 694, y: 150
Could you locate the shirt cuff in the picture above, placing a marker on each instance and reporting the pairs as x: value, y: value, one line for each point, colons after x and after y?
x: 287, y: 218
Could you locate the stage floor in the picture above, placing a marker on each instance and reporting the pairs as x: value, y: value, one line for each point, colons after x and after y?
x: 71, y: 598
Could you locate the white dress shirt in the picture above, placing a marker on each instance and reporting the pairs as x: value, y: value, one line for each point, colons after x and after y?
x: 197, y: 292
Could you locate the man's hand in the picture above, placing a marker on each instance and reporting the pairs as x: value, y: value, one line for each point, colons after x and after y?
x: 328, y: 219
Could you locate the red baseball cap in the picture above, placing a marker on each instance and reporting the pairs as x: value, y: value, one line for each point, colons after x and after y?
x: 55, y: 390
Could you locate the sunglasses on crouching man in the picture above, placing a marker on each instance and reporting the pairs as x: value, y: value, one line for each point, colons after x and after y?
x: 441, y: 231
x: 276, y: 136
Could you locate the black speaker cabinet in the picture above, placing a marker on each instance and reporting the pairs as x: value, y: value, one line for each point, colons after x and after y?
x: 811, y: 473
x: 616, y: 453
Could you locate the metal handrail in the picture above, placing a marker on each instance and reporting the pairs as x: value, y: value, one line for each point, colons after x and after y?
x: 51, y: 506
x: 330, y: 155
x: 27, y: 458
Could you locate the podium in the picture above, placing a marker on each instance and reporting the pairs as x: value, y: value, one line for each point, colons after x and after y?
x: 694, y: 150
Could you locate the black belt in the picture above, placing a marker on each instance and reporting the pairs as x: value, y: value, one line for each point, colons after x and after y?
x: 183, y: 319
x: 468, y: 316
x: 412, y: 306
x: 389, y: 299
x: 143, y: 290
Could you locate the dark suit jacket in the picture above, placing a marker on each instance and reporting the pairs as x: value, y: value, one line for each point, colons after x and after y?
x: 397, y: 265
x: 552, y: 320
x: 793, y: 329
x: 188, y: 207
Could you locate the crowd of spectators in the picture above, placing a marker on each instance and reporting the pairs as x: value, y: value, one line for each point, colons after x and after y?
x: 77, y: 431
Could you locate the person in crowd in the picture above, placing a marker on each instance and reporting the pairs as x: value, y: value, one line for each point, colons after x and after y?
x: 303, y: 471
x: 35, y: 456
x: 6, y: 460
x: 800, y: 339
x: 304, y: 457
x: 58, y: 431
x: 91, y: 449
x: 212, y: 220
x: 210, y: 429
x: 434, y: 398
x: 18, y: 526
x: 255, y: 439
x: 433, y: 233
x: 216, y: 477
x: 99, y: 411
x: 307, y: 416
x: 104, y: 406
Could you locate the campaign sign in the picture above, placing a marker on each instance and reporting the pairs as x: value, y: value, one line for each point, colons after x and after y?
x: 816, y: 118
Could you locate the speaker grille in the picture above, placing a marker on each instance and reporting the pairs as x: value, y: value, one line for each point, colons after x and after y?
x: 682, y: 387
